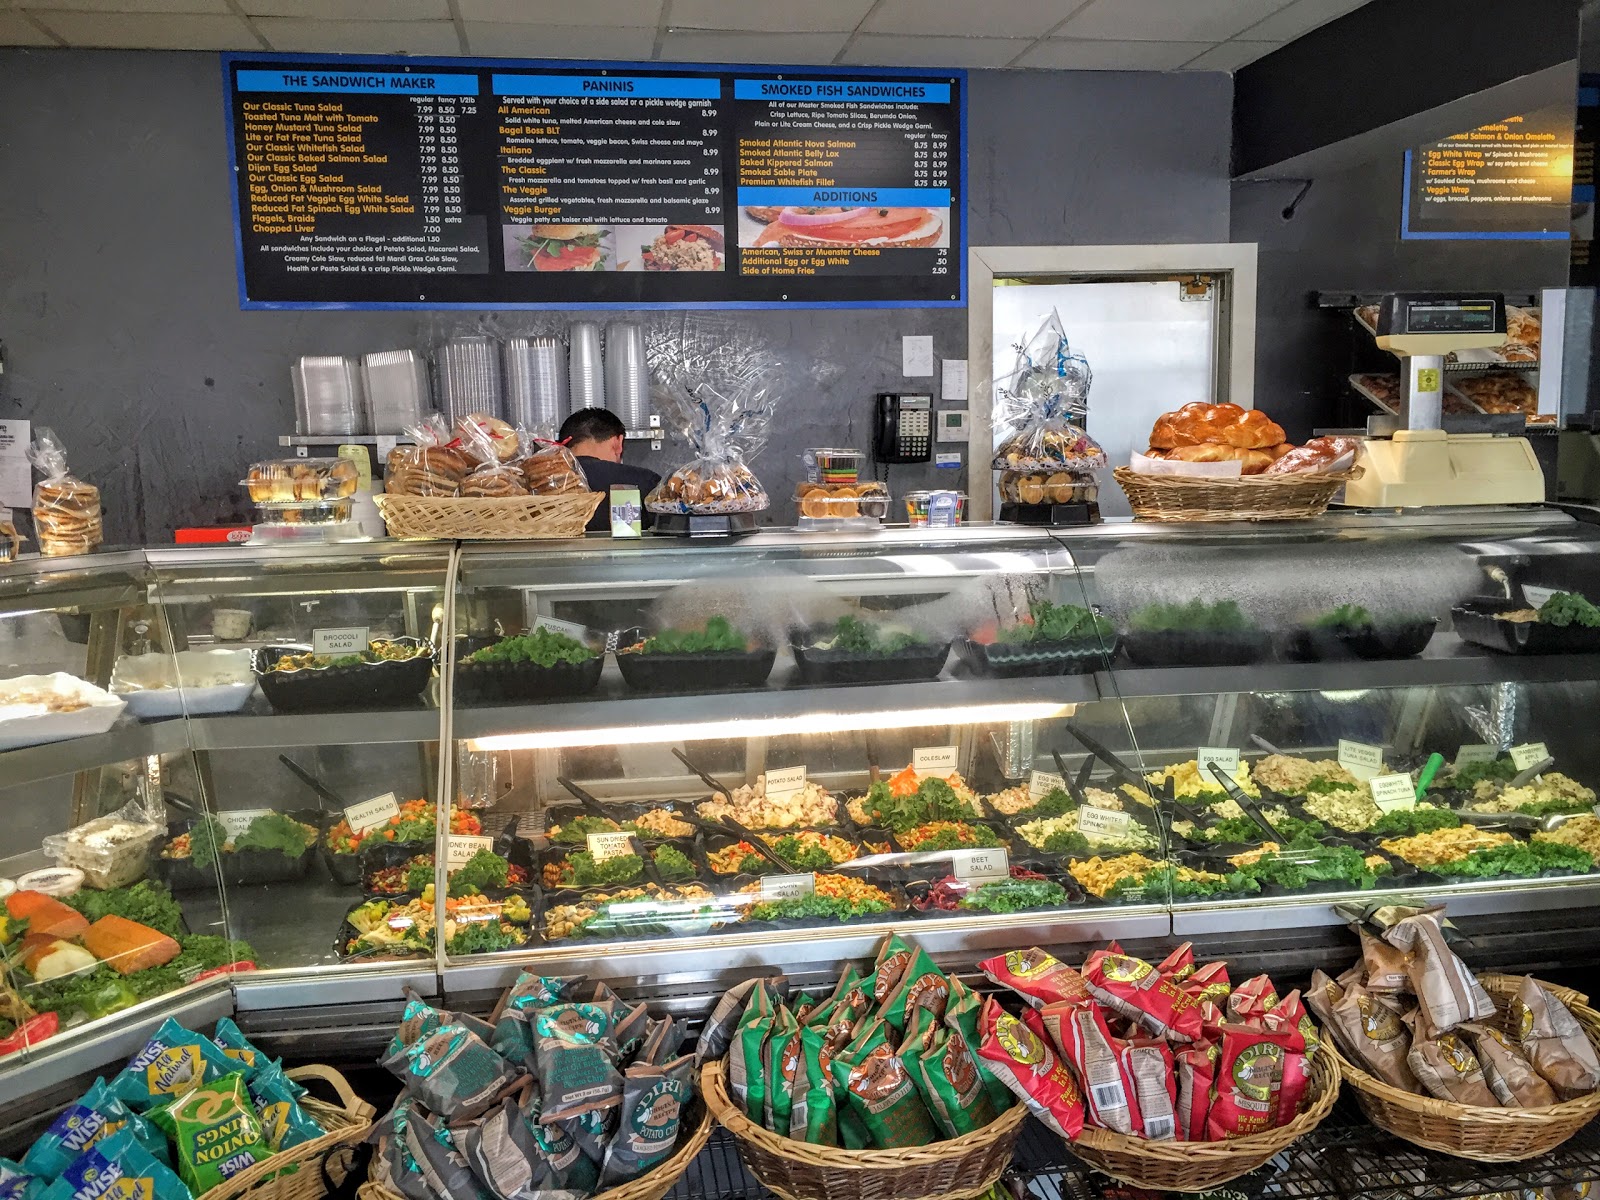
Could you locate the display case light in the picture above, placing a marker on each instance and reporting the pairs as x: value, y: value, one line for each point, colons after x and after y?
x: 799, y: 723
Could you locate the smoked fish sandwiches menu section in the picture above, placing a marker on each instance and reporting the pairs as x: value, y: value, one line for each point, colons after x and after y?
x: 500, y: 183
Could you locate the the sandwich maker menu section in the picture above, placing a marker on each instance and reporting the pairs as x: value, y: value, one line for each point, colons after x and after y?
x: 501, y: 183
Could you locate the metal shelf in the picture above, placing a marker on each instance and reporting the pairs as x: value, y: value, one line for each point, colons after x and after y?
x: 269, y: 730
x: 122, y: 743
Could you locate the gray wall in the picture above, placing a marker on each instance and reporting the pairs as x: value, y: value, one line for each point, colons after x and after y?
x: 119, y: 309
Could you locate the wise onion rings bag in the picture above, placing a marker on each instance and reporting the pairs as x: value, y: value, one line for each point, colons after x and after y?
x: 95, y: 1115
x: 117, y: 1166
x: 1035, y: 976
x: 1249, y: 1080
x: 216, y: 1130
x: 1132, y: 987
x: 230, y: 1039
x: 1079, y: 1028
x: 1024, y: 1062
x: 173, y: 1061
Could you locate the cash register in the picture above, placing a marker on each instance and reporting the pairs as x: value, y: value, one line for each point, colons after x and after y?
x: 1418, y: 463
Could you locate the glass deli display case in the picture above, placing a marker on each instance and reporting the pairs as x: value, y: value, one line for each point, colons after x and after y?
x: 234, y: 774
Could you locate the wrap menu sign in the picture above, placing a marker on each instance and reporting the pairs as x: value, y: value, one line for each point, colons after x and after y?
x: 501, y: 183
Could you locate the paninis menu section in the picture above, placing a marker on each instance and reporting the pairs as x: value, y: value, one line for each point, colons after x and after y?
x: 498, y: 183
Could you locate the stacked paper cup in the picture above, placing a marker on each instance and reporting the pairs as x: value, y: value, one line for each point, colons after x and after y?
x: 328, y: 396
x: 586, y: 377
x: 536, y: 383
x: 627, y: 374
x: 469, y: 376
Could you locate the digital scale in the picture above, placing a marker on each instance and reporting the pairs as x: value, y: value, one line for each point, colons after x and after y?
x: 1420, y: 464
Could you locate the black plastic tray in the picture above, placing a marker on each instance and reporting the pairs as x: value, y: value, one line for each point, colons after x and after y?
x: 351, y: 869
x: 641, y: 927
x: 1405, y: 639
x: 1179, y: 648
x: 1475, y: 622
x: 1026, y: 659
x: 845, y: 666
x: 560, y: 812
x: 347, y: 931
x: 367, y: 685
x: 916, y: 893
x: 240, y: 867
x: 557, y: 855
x: 712, y: 842
x: 479, y: 683
x: 712, y: 671
x: 1078, y: 512
x: 395, y: 854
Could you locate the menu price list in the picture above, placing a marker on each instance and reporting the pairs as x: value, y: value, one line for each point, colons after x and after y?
x: 502, y: 184
x: 1509, y: 177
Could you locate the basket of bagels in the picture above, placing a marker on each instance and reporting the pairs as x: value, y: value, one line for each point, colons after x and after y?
x: 481, y: 480
x: 1220, y: 462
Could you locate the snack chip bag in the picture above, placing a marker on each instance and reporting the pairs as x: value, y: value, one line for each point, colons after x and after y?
x: 873, y: 1084
x: 716, y: 1035
x: 503, y: 1152
x: 1446, y: 989
x: 1178, y: 965
x: 1248, y: 1003
x: 961, y: 1016
x: 568, y: 1167
x: 401, y: 1171
x: 1210, y: 983
x: 576, y: 1050
x: 512, y: 1018
x: 1148, y: 1062
x: 277, y: 1101
x: 232, y: 1042
x: 663, y: 1040
x: 452, y: 1072
x: 780, y: 1066
x: 17, y: 1184
x: 815, y: 1120
x: 172, y: 1062
x: 216, y: 1130
x: 1249, y: 1078
x: 943, y: 1067
x: 1506, y: 1070
x: 1553, y: 1040
x: 1448, y: 1069
x: 894, y: 956
x: 921, y: 985
x: 653, y: 1101
x: 1078, y: 1028
x: 1132, y: 987
x: 871, y: 1032
x: 444, y: 1168
x: 1385, y: 966
x: 1322, y: 996
x: 1036, y: 976
x: 1025, y: 1063
x: 1290, y: 1013
x: 1196, y: 1068
x: 1371, y: 1028
x: 747, y: 1079
x: 120, y: 1165
x: 95, y: 1115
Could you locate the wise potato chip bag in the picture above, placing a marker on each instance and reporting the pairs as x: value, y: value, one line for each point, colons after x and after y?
x: 1248, y: 1081
x: 1446, y: 989
x: 1148, y: 1062
x: 232, y: 1042
x: 1553, y: 1040
x: 577, y: 1059
x: 1036, y: 976
x: 1025, y: 1063
x: 653, y: 1102
x: 117, y: 1166
x: 943, y: 1068
x: 1196, y: 1068
x: 452, y: 1072
x: 96, y: 1114
x: 1078, y: 1028
x: 1132, y: 987
x: 1506, y: 1070
x: 173, y: 1061
x: 17, y: 1184
x: 216, y: 1131
x: 277, y: 1101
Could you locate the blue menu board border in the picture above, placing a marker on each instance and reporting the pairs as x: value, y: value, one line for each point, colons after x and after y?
x: 229, y: 58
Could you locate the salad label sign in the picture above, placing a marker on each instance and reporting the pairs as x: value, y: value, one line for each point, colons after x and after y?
x: 571, y: 629
x: 459, y: 849
x: 371, y: 813
x: 938, y: 761
x: 1042, y: 783
x: 980, y: 864
x: 1226, y: 758
x: 1476, y: 753
x: 1360, y: 759
x: 787, y: 887
x: 1393, y: 792
x: 1537, y: 596
x: 786, y: 782
x: 240, y: 819
x: 1103, y: 822
x: 610, y: 845
x: 351, y: 640
x: 1528, y: 754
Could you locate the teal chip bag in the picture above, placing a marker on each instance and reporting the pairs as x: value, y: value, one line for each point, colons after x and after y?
x: 232, y: 1042
x: 277, y: 1101
x: 512, y: 1018
x: 17, y: 1184
x: 172, y: 1062
x: 96, y: 1114
x: 118, y: 1168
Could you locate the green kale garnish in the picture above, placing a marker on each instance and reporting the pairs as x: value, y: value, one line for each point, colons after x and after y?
x: 1014, y: 895
x: 855, y: 636
x: 1522, y: 859
x: 1569, y: 608
x: 1408, y: 821
x: 544, y: 647
x: 145, y: 902
x: 718, y: 635
x: 1196, y: 616
x: 276, y: 831
x: 1058, y: 623
x: 207, y: 841
x: 934, y: 800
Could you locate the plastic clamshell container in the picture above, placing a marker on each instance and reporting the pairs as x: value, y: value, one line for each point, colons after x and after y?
x: 193, y: 681
x: 830, y: 464
x: 27, y: 717
x: 286, y: 480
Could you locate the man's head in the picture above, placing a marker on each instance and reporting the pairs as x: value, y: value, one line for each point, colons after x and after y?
x: 594, y: 433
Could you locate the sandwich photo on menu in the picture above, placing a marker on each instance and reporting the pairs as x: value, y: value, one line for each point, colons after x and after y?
x: 557, y: 248
x: 884, y: 228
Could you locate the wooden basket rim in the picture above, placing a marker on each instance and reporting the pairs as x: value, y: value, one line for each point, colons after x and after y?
x: 1335, y: 478
x: 453, y: 503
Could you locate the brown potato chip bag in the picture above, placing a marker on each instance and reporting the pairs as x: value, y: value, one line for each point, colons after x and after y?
x: 1506, y: 1069
x: 1554, y: 1041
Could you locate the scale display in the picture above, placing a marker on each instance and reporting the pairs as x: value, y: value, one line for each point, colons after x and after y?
x: 1463, y: 317
x: 499, y: 183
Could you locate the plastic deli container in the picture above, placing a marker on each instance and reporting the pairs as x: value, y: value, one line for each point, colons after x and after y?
x: 827, y: 464
x: 935, y: 510
x: 291, y: 480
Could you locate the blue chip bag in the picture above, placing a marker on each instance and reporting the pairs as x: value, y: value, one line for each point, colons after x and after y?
x: 118, y: 1168
x: 232, y: 1042
x: 277, y: 1100
x: 96, y: 1114
x: 171, y: 1063
x: 17, y: 1184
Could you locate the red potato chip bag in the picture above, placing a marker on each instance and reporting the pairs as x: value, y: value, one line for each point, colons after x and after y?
x: 1133, y: 988
x: 1209, y: 982
x: 1148, y: 1062
x: 1290, y: 1013
x: 1024, y: 1062
x: 1178, y: 965
x: 1078, y: 1028
x: 1115, y: 947
x: 1292, y: 1092
x: 1212, y: 1019
x: 1035, y: 976
x: 1196, y: 1068
x: 1249, y: 1080
x: 1249, y: 1002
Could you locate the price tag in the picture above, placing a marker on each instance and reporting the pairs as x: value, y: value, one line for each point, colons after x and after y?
x: 1393, y: 792
x: 610, y: 845
x: 571, y: 629
x: 980, y: 864
x: 1103, y: 822
x: 935, y: 760
x: 459, y: 849
x: 1042, y: 783
x: 372, y: 813
x: 786, y: 782
x: 787, y: 887
x: 1536, y: 596
x: 352, y: 640
x: 1226, y: 758
x: 239, y: 820
x: 1476, y: 753
x: 1527, y: 754
x: 1361, y: 760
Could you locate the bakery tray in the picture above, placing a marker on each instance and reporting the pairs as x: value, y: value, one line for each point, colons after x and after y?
x: 1084, y: 512
x: 1399, y: 639
x: 1475, y: 622
x: 1015, y: 660
x: 1178, y: 648
x: 845, y: 666
x: 480, y: 683
x: 364, y: 685
x: 711, y: 671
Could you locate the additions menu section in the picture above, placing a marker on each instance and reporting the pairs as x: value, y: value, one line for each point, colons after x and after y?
x: 491, y: 183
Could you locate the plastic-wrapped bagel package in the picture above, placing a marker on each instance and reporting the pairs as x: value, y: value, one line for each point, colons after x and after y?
x: 66, y: 511
x: 435, y: 466
x: 724, y: 430
x: 1046, y: 456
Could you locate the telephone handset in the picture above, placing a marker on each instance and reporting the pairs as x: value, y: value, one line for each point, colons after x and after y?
x: 902, y: 430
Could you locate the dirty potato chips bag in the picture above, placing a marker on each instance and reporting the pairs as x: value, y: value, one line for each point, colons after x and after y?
x: 1369, y: 1026
x: 1506, y: 1070
x: 653, y: 1102
x: 1446, y: 989
x: 502, y: 1152
x: 780, y: 1065
x: 512, y: 1018
x: 1132, y: 987
x: 961, y: 1016
x: 1209, y: 983
x: 577, y: 1059
x: 452, y: 1072
x: 1249, y: 1002
x: 1448, y: 1069
x: 1079, y: 1028
x: 1553, y: 1040
x: 1248, y: 1081
x: 400, y: 1170
x: 1196, y: 1068
x: 445, y: 1171
x: 1035, y: 976
x: 943, y: 1068
x: 117, y: 1165
x: 216, y: 1131
x: 747, y: 1057
x: 173, y: 1061
x: 1025, y: 1063
x: 1178, y: 965
x: 921, y: 984
x: 1148, y: 1063
x: 716, y: 1036
x: 95, y: 1115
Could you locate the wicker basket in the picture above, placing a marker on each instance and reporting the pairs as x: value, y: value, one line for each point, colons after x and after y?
x: 966, y: 1166
x: 509, y: 518
x: 1484, y: 1134
x: 1248, y: 498
x: 346, y: 1122
x: 1201, y: 1166
x: 652, y: 1185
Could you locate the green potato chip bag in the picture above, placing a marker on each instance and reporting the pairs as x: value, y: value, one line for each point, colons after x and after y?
x: 216, y: 1131
x: 946, y: 1075
x: 781, y: 1064
x: 889, y: 967
x: 814, y: 1120
x: 118, y: 1168
x: 921, y: 985
x: 277, y: 1101
x: 854, y: 1133
x: 961, y: 1017
x: 876, y: 1095
x: 747, y: 1079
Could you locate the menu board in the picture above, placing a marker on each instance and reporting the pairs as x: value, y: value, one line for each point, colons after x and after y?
x: 498, y: 183
x: 1511, y: 179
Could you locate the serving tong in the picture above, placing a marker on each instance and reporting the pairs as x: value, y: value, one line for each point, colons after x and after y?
x: 728, y: 824
x: 1167, y: 792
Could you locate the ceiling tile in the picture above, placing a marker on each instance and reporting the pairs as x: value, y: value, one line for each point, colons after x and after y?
x: 1230, y: 56
x: 350, y: 10
x: 1111, y: 56
x: 15, y: 30
x: 505, y: 40
x: 635, y: 13
x: 1301, y: 17
x: 770, y: 16
x: 962, y: 18
x: 1167, y: 20
x: 219, y: 7
x: 150, y: 31
x: 360, y: 37
x: 883, y: 50
x: 779, y: 48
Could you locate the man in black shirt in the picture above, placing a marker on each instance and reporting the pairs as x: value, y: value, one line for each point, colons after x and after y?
x: 595, y: 436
